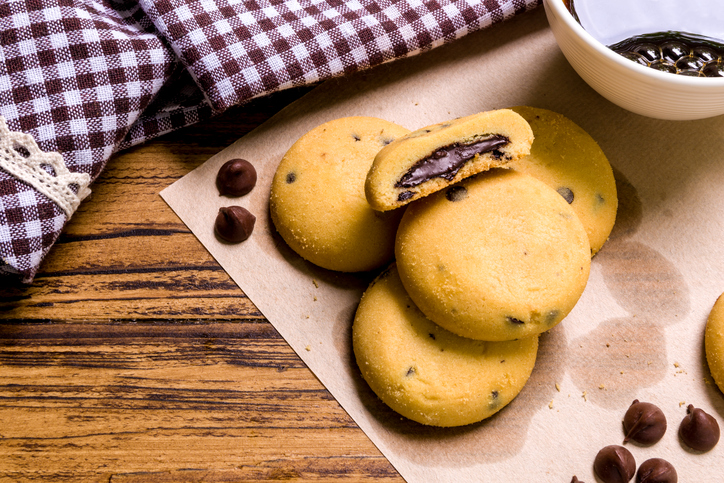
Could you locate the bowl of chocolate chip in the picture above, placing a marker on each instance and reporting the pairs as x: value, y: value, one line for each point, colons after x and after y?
x: 657, y: 58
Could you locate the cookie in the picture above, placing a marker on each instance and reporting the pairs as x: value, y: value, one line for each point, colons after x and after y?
x: 426, y: 373
x: 714, y: 342
x: 496, y: 257
x: 317, y: 199
x: 437, y: 156
x: 569, y: 160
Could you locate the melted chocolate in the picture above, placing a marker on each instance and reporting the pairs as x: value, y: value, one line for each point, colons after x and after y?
x: 447, y: 161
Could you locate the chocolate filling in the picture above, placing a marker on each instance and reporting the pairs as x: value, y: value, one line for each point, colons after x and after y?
x: 446, y: 161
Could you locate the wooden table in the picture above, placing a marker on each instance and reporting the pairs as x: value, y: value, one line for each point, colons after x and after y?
x: 134, y: 357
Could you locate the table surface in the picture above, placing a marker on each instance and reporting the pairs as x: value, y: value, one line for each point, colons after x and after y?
x: 134, y: 357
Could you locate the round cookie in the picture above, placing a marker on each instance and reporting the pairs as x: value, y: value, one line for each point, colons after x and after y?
x: 426, y: 373
x: 496, y: 257
x: 317, y: 199
x: 437, y: 156
x: 569, y: 160
x: 714, y: 342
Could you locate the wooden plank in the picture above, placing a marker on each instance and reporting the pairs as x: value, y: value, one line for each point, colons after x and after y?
x: 147, y: 402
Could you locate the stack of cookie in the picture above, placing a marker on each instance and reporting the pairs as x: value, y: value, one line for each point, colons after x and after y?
x: 485, y: 259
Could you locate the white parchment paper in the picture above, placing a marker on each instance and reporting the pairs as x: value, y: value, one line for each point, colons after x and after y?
x: 637, y: 332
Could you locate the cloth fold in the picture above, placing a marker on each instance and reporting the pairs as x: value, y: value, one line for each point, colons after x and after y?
x: 89, y: 78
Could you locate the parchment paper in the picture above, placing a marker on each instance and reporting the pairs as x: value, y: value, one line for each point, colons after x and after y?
x: 637, y: 331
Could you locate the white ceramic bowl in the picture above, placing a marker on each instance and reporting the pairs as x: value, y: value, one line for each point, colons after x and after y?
x: 634, y: 87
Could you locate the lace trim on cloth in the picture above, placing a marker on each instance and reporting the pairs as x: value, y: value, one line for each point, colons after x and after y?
x: 46, y: 172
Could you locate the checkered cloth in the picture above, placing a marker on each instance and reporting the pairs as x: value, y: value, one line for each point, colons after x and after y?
x: 87, y: 78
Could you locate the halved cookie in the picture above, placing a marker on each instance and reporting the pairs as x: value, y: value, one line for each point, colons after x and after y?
x: 429, y: 159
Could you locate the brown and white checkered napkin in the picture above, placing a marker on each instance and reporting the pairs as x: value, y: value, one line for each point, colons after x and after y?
x: 86, y: 78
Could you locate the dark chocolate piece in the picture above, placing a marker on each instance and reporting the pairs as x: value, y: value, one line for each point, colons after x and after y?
x: 614, y: 464
x: 234, y: 224
x: 566, y: 193
x: 456, y: 193
x: 576, y: 480
x: 656, y: 470
x: 446, y: 161
x: 514, y: 321
x: 236, y: 177
x: 699, y: 430
x: 291, y: 177
x: 644, y: 423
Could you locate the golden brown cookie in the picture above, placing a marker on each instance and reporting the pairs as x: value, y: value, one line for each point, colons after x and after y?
x: 426, y: 373
x: 569, y: 160
x: 496, y: 257
x: 317, y: 199
x: 714, y: 342
x: 437, y: 156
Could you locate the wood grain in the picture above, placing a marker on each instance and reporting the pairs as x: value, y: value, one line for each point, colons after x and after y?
x: 134, y: 357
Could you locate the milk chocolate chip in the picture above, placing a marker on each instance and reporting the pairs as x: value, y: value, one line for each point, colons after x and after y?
x: 656, y: 470
x: 614, y: 464
x: 236, y: 177
x: 699, y: 430
x: 234, y: 224
x: 644, y: 423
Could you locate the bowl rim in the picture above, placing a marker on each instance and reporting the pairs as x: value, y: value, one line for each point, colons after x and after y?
x: 685, y: 81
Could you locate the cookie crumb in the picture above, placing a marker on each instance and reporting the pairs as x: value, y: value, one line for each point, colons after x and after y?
x: 682, y: 403
x: 308, y: 348
x: 601, y: 386
x: 316, y: 285
x: 550, y: 404
x: 558, y: 388
x: 315, y: 298
x: 676, y: 364
x: 585, y: 395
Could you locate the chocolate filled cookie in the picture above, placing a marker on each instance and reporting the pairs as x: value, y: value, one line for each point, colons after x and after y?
x: 317, y: 199
x: 569, y: 160
x: 434, y: 157
x: 427, y: 373
x: 496, y: 257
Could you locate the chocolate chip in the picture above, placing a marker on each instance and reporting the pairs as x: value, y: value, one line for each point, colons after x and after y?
x: 699, y: 430
x: 410, y: 372
x: 644, y: 423
x: 656, y: 470
x: 291, y: 177
x: 566, y: 193
x: 456, y: 193
x: 356, y: 137
x: 513, y: 320
x: 405, y: 195
x: 576, y: 480
x: 614, y: 464
x: 234, y: 224
x: 432, y: 336
x: 236, y: 177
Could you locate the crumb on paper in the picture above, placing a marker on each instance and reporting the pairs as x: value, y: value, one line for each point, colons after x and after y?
x: 682, y: 403
x: 558, y: 387
x: 608, y: 345
x: 316, y: 285
x: 315, y: 298
x: 621, y: 372
x: 308, y: 348
x: 601, y: 386
x: 676, y: 364
x: 550, y: 404
x: 585, y: 395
